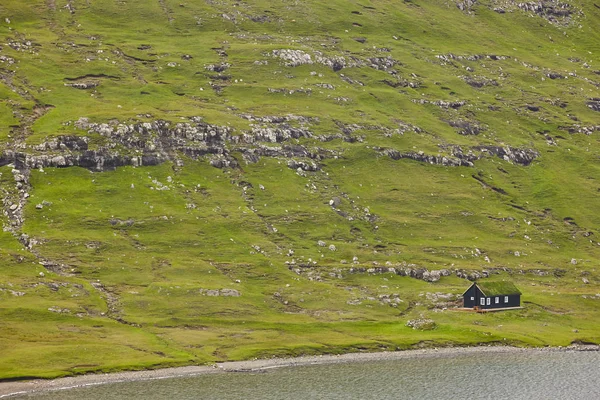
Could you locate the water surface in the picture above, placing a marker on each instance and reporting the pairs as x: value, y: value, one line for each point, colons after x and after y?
x: 512, y: 375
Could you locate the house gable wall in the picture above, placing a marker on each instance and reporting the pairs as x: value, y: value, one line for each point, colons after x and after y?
x: 472, y: 292
x: 514, y: 300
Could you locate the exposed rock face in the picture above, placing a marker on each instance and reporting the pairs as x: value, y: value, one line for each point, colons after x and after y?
x: 466, y: 128
x: 429, y: 159
x: 594, y: 104
x: 64, y: 143
x: 83, y: 85
x: 448, y: 58
x: 479, y: 81
x: 301, y: 165
x: 217, y: 67
x: 512, y: 154
x: 471, y: 275
x: 295, y: 58
x: 554, y: 11
x: 586, y: 130
x: 152, y: 143
x: 460, y: 159
x: 220, y: 292
x: 410, y: 270
x: 466, y: 5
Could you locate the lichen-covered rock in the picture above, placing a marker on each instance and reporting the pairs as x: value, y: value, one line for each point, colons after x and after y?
x: 422, y: 324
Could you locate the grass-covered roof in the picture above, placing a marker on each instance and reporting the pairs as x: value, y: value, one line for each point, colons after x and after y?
x: 498, y: 288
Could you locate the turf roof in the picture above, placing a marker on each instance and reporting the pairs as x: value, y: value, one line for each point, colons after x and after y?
x: 498, y: 288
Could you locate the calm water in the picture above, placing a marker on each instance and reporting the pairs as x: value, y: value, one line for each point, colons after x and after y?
x: 526, y: 375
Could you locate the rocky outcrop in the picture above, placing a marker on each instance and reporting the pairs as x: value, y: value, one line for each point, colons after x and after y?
x: 427, y: 158
x: 422, y: 324
x: 448, y: 58
x: 466, y: 128
x: 586, y: 130
x: 552, y: 10
x: 512, y: 154
x: 222, y: 67
x: 275, y: 135
x: 556, y: 12
x: 295, y: 58
x: 303, y: 166
x: 152, y: 143
x: 459, y: 159
x: 64, y: 142
x: 594, y: 104
x: 220, y: 292
x: 466, y: 5
x: 455, y: 104
x: 410, y: 270
x: 479, y: 81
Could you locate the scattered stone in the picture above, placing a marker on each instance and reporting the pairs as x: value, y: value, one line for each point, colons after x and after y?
x: 335, y: 202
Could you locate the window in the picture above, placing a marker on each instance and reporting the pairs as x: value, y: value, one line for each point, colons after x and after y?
x: 489, y: 301
x: 472, y: 298
x: 483, y: 301
x: 506, y: 299
x: 497, y: 300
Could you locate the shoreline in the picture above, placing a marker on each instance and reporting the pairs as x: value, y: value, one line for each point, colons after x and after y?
x: 15, y: 388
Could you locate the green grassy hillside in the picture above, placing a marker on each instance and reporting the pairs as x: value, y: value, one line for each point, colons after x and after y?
x: 195, y: 181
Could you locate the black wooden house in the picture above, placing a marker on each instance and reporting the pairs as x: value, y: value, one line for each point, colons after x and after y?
x: 486, y: 295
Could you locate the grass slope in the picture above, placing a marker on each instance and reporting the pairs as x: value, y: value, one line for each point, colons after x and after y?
x: 184, y: 263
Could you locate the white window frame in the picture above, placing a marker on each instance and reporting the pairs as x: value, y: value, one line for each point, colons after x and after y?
x: 472, y: 298
x: 482, y: 301
x: 506, y: 299
x: 497, y: 300
x: 488, y: 301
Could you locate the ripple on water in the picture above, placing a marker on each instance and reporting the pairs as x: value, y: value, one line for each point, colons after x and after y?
x: 513, y: 375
